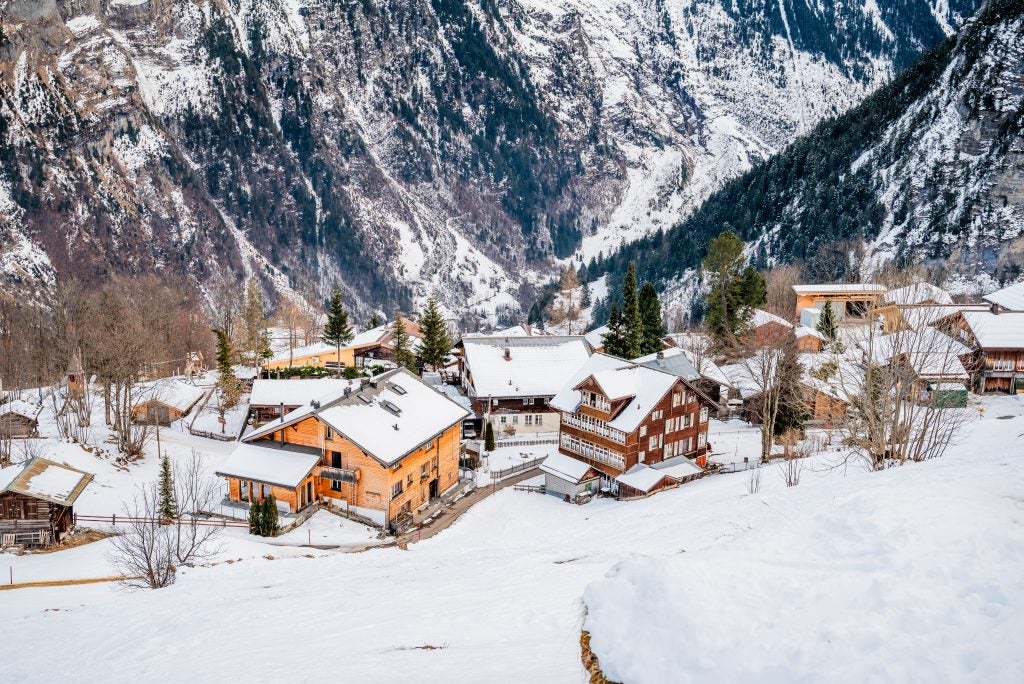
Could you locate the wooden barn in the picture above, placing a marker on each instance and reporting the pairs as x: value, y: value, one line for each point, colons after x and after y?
x: 36, y: 500
x: 164, y: 401
x: 19, y: 419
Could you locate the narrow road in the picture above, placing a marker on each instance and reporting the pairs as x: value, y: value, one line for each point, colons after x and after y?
x: 451, y: 514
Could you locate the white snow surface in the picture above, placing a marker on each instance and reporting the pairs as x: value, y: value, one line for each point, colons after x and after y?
x: 54, y: 482
x: 537, y: 367
x: 270, y: 464
x: 911, y: 574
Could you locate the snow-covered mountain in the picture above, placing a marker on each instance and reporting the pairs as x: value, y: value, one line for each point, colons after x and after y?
x: 928, y: 169
x: 407, y: 145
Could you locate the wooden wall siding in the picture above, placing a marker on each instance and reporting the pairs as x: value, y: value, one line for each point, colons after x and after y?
x: 373, y: 490
x: 21, y: 511
x: 347, y: 357
x: 650, y: 427
x: 14, y: 425
x: 808, y: 343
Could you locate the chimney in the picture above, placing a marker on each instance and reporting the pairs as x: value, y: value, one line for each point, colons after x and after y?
x: 661, y: 354
x: 508, y: 354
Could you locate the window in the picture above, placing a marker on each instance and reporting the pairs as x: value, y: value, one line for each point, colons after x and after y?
x: 330, y: 433
x: 529, y: 419
x: 652, y: 442
x: 643, y: 456
x: 527, y: 401
x: 657, y: 415
x: 676, y: 398
x: 539, y: 419
x: 703, y: 414
x: 643, y: 430
x: 243, y: 489
x: 316, y: 359
x: 504, y: 419
x: 423, y: 470
x: 702, y: 439
x: 408, y: 480
x: 396, y: 490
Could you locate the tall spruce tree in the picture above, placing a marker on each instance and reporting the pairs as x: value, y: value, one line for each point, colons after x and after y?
x: 227, y: 382
x: 650, y: 313
x: 436, y: 342
x: 337, y: 331
x: 489, y: 437
x: 632, y: 322
x: 827, y: 323
x: 401, y: 344
x: 374, y: 321
x: 270, y: 519
x: 735, y: 289
x: 613, y: 339
x: 254, y: 335
x: 256, y: 517
x: 791, y: 414
x: 168, y: 503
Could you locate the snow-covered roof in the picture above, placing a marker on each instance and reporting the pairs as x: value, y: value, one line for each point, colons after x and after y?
x: 388, y: 418
x: 923, y: 341
x: 595, y: 337
x: 931, y: 365
x: 453, y: 393
x: 315, y: 349
x: 537, y: 367
x: 742, y: 377
x: 565, y: 467
x: 297, y: 392
x: 673, y: 360
x: 43, y: 479
x: 371, y: 336
x: 644, y: 478
x: 918, y: 293
x: 175, y: 392
x: 20, y: 407
x: 646, y: 386
x: 949, y: 387
x: 1010, y: 297
x: 996, y: 331
x: 839, y: 288
x: 805, y: 331
x: 285, y: 466
x: 759, y: 317
x: 678, y: 467
x: 521, y: 330
x: 921, y: 316
x: 568, y: 397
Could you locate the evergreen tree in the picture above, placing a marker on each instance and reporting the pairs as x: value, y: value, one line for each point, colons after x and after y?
x: 827, y: 323
x: 791, y: 414
x: 753, y: 289
x: 228, y: 383
x: 436, y: 342
x: 374, y: 321
x: 632, y: 322
x: 613, y: 339
x: 254, y: 342
x: 489, y: 437
x: 585, y: 296
x: 650, y: 313
x: 270, y: 525
x: 256, y: 518
x: 168, y: 503
x: 401, y: 344
x: 734, y: 290
x: 337, y: 331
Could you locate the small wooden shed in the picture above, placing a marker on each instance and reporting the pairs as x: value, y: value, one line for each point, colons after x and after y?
x: 19, y: 419
x: 165, y: 401
x: 569, y: 479
x: 36, y: 500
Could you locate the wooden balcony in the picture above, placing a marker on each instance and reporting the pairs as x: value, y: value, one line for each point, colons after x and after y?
x: 336, y: 474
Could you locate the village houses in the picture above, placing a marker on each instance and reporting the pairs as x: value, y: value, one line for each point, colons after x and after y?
x: 387, y: 449
x: 37, y: 500
x: 997, y: 340
x: 364, y: 349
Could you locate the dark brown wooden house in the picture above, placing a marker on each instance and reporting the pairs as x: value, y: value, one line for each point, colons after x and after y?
x: 617, y: 414
x: 36, y: 500
x: 19, y: 419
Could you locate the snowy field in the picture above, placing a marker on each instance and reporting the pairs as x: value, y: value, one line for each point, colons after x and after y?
x: 913, y: 574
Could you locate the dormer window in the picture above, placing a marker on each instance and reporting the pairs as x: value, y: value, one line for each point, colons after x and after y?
x: 595, y: 400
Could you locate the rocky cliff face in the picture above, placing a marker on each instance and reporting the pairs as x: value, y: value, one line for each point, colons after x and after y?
x: 403, y: 146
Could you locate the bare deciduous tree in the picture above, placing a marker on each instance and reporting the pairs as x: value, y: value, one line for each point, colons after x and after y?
x: 754, y: 481
x: 780, y: 299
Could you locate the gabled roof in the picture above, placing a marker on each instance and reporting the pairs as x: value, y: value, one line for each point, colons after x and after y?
x: 285, y: 466
x: 595, y: 337
x: 840, y: 288
x: 537, y: 367
x: 43, y: 479
x: 21, y: 408
x: 996, y: 331
x: 646, y: 388
x: 297, y: 392
x: 759, y: 317
x: 568, y: 397
x: 391, y: 416
x: 175, y: 392
x: 918, y: 293
x: 644, y: 478
x: 804, y: 331
x: 1010, y: 297
x: 567, y: 468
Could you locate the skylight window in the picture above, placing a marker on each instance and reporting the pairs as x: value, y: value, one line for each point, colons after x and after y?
x: 391, y: 407
x: 398, y: 389
x: 363, y: 398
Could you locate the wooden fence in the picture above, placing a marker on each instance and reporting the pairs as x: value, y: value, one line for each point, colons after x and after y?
x: 497, y: 475
x: 126, y: 519
x: 525, y: 441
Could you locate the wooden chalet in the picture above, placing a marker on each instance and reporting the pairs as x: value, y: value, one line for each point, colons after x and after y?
x: 570, y: 479
x: 767, y: 329
x: 616, y: 414
x: 997, y: 340
x: 850, y: 301
x: 19, y: 419
x: 386, y: 450
x: 1010, y: 298
x: 643, y: 480
x: 823, y: 403
x: 510, y: 381
x: 162, y: 402
x: 36, y: 501
x: 366, y: 348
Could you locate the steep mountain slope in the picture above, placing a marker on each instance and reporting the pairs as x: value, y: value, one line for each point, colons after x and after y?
x: 929, y: 168
x: 405, y: 145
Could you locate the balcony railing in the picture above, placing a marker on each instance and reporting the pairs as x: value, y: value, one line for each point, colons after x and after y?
x: 595, y: 429
x: 596, y: 454
x: 337, y: 474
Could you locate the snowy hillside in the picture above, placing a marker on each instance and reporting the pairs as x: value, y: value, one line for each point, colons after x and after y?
x: 910, y: 574
x: 405, y: 145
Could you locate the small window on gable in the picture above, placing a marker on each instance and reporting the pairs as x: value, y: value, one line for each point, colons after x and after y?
x: 643, y: 430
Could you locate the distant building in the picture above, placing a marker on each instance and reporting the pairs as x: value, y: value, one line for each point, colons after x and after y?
x: 767, y: 329
x: 271, y: 399
x: 511, y: 380
x: 998, y: 342
x: 161, y: 402
x: 366, y: 348
x: 36, y: 501
x: 19, y: 419
x: 1010, y: 298
x: 850, y: 301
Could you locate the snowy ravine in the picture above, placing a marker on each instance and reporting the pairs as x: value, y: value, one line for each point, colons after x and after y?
x: 912, y: 574
x: 406, y: 145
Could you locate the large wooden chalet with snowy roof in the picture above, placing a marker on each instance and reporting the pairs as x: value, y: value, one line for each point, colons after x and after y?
x: 622, y: 418
x: 387, y: 449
